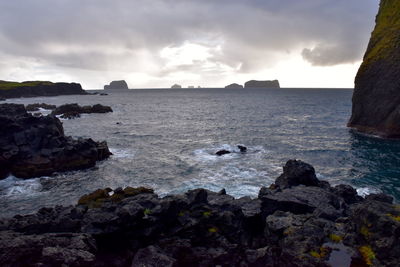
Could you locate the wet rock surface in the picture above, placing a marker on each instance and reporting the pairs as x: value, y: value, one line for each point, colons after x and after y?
x: 301, y: 225
x: 74, y: 109
x: 33, y: 146
x: 37, y: 106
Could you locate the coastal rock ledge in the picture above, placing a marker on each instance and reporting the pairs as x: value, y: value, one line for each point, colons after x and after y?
x: 376, y: 98
x: 298, y: 221
x: 36, y: 146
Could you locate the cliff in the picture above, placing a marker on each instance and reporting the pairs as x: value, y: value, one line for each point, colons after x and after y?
x: 262, y: 84
x: 117, y: 85
x: 376, y: 98
x: 298, y: 222
x: 38, y: 88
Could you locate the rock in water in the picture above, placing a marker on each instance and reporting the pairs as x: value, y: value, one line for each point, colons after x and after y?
x: 222, y: 152
x: 242, y: 149
x: 117, y: 85
x: 376, y: 98
x: 72, y: 110
x: 36, y: 146
x: 234, y: 86
x: 262, y: 84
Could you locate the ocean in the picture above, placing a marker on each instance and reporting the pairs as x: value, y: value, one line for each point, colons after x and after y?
x: 167, y: 138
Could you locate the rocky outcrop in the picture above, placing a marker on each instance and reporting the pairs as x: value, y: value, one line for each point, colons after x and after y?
x: 36, y: 146
x: 176, y: 86
x: 70, y: 111
x: 38, y: 106
x: 117, y: 85
x: 262, y: 84
x: 234, y: 86
x: 306, y: 224
x: 376, y: 98
x: 38, y: 88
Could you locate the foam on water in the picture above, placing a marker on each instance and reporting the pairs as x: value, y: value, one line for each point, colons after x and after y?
x: 365, y: 191
x: 208, y: 154
x: 12, y: 186
x: 119, y: 153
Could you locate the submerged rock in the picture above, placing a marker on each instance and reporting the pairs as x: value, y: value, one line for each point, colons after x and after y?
x: 376, y: 98
x: 36, y: 146
x: 73, y: 110
x: 301, y: 225
x: 37, y: 106
x: 222, y: 152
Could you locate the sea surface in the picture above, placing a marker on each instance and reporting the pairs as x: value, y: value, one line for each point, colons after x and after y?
x: 167, y: 139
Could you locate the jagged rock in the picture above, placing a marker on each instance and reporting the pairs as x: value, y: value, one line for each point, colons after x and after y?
x: 117, y: 85
x: 36, y: 146
x: 262, y: 84
x: 242, y: 149
x: 35, y: 107
x: 38, y: 88
x: 72, y: 110
x: 295, y: 226
x: 296, y: 172
x: 376, y: 98
x: 234, y: 86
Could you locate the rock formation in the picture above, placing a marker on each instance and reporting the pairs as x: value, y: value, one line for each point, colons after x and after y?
x: 38, y: 88
x: 121, y: 85
x: 304, y: 223
x: 71, y: 111
x: 262, y: 84
x: 37, y: 106
x: 376, y: 98
x: 176, y: 86
x: 234, y: 86
x: 36, y: 146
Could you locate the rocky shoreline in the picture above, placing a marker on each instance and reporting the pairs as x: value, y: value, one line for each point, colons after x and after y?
x: 33, y: 146
x: 298, y: 221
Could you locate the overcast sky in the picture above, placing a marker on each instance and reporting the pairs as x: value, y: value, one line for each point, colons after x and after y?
x: 156, y: 43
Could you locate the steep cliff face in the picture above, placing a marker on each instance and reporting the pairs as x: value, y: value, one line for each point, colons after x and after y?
x: 376, y: 98
x: 38, y: 88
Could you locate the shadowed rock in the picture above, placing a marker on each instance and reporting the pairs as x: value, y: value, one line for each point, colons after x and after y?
x: 121, y: 85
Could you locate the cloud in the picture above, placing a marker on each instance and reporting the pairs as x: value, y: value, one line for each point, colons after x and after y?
x: 127, y: 37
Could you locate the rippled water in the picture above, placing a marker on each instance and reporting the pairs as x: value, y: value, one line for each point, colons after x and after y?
x: 166, y: 139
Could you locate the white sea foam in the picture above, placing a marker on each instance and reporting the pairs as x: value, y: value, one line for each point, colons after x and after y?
x: 365, y: 191
x: 208, y: 154
x: 119, y: 153
x: 12, y: 186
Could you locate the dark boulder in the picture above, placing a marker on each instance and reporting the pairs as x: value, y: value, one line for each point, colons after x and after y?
x: 222, y: 152
x: 242, y: 149
x: 36, y: 146
x: 72, y: 110
x: 296, y: 172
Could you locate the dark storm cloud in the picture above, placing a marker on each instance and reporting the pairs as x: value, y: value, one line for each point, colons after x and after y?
x: 97, y: 34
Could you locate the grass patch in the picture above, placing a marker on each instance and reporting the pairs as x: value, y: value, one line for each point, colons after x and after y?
x: 6, y: 85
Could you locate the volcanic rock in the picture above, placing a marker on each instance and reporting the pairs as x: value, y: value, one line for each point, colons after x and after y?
x: 376, y: 97
x: 234, y: 86
x: 37, y: 106
x: 36, y: 146
x: 302, y: 225
x: 71, y: 110
x: 222, y: 152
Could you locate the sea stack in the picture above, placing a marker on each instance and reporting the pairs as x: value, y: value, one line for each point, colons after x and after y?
x: 234, y: 86
x: 176, y: 86
x: 262, y: 84
x: 117, y: 85
x: 376, y: 98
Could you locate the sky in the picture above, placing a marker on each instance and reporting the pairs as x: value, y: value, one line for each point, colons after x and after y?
x: 207, y: 43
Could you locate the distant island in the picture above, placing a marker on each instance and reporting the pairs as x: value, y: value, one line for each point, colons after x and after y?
x: 9, y: 89
x: 176, y: 86
x: 117, y: 85
x: 262, y: 84
x: 234, y: 86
